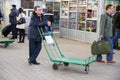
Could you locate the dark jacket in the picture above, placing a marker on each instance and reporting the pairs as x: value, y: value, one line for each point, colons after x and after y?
x: 116, y: 21
x: 1, y: 15
x: 106, y: 25
x: 33, y: 26
x: 50, y: 17
x: 13, y: 16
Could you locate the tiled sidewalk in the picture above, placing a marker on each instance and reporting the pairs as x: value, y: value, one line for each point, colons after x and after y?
x: 14, y: 66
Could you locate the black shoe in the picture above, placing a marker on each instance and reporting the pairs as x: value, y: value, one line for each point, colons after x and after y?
x: 33, y: 62
x: 20, y: 42
x: 43, y: 38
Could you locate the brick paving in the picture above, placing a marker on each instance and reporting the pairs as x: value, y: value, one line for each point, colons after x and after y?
x: 14, y: 66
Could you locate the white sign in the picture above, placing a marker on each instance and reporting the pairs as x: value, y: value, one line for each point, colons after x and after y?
x: 49, y: 39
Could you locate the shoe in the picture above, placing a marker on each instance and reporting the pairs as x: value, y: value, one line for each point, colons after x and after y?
x: 33, y: 62
x: 43, y: 38
x: 110, y: 61
x: 19, y: 42
x: 101, y: 61
x: 53, y: 44
x: 22, y: 41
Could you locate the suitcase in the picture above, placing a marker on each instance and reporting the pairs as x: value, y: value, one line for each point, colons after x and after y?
x: 6, y: 30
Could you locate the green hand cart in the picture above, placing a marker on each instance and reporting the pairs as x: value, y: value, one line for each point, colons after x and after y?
x: 55, y: 55
x: 5, y: 41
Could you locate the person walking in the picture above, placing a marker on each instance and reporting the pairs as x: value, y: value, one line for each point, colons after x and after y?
x: 106, y: 32
x: 116, y: 26
x: 38, y: 20
x: 49, y: 14
x: 13, y: 20
x: 21, y: 27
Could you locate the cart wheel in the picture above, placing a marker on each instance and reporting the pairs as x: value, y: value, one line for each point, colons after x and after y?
x: 55, y: 66
x: 66, y: 64
x: 87, y: 68
x: 6, y: 45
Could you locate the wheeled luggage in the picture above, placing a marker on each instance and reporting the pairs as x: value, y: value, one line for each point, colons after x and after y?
x: 6, y: 30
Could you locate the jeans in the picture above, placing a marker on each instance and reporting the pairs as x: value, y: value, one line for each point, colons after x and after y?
x: 110, y: 55
x: 34, y: 49
x: 116, y: 36
x: 49, y: 29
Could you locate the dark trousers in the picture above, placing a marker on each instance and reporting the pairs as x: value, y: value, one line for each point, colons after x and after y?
x: 110, y: 55
x: 21, y: 35
x: 117, y: 36
x: 14, y: 30
x: 34, y: 49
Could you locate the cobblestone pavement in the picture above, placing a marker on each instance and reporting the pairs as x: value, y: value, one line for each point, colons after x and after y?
x: 14, y: 66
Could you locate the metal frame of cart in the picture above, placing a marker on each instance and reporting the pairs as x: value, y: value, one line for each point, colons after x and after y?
x: 55, y: 55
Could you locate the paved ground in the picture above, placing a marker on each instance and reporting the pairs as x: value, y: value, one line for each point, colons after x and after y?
x: 14, y: 66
